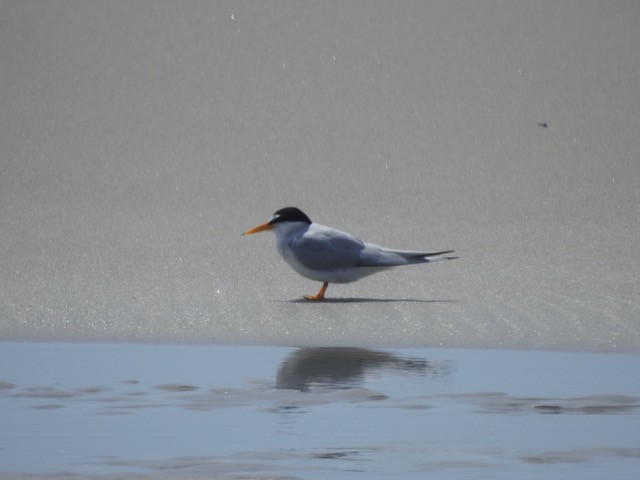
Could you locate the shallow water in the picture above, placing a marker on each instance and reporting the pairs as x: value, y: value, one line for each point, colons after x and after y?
x: 314, y: 413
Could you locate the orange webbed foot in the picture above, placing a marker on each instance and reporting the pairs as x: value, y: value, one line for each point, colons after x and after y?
x: 320, y: 294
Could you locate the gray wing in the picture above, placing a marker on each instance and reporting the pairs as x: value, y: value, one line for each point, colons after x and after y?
x: 326, y: 249
x: 376, y: 256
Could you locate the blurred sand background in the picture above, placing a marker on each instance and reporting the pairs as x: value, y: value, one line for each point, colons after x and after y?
x: 139, y: 139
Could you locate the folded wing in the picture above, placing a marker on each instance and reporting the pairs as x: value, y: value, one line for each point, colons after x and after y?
x: 327, y: 249
x: 376, y: 256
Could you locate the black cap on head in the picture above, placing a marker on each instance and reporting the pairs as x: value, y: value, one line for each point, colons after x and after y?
x: 289, y: 214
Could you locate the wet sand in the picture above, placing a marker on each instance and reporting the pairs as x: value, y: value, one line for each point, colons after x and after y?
x: 140, y: 141
x: 151, y: 411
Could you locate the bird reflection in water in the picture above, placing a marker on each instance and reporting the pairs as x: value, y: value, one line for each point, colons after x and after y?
x: 341, y: 367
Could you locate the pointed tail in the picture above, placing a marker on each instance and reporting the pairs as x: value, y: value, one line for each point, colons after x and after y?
x: 434, y: 257
x: 422, y: 257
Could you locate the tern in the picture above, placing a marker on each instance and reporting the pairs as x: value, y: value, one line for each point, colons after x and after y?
x: 328, y: 255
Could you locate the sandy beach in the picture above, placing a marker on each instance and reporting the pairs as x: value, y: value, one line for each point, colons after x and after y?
x: 139, y: 143
x: 142, y: 337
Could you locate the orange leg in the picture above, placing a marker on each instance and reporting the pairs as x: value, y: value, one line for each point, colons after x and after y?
x: 320, y: 294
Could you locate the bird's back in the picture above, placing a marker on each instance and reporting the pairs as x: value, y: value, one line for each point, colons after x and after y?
x: 325, y: 254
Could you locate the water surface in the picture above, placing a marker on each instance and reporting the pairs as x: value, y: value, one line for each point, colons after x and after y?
x: 313, y: 413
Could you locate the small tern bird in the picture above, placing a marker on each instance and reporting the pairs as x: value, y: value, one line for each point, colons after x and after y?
x: 331, y: 256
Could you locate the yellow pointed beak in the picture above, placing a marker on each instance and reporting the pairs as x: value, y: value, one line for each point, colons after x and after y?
x: 259, y: 228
